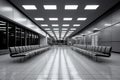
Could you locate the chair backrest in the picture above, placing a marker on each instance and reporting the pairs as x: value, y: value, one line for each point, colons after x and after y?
x: 12, y: 50
x: 17, y: 49
x: 99, y: 48
x: 108, y: 50
x: 103, y: 49
x: 21, y: 49
x: 96, y: 48
x: 24, y: 48
x: 32, y: 47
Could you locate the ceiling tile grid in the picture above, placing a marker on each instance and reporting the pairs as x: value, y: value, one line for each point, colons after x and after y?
x: 61, y: 18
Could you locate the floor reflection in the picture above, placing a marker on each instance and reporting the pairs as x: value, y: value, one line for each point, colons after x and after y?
x: 60, y: 63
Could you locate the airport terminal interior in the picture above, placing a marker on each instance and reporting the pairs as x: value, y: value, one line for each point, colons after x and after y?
x: 59, y: 39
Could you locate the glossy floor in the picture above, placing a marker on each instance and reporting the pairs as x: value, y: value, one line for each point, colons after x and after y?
x: 60, y: 63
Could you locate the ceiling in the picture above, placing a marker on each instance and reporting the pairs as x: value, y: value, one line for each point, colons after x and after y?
x: 61, y: 32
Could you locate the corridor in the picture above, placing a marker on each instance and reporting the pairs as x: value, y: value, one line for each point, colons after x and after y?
x: 60, y: 63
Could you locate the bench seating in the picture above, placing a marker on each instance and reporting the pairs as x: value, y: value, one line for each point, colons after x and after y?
x: 22, y: 51
x: 102, y: 51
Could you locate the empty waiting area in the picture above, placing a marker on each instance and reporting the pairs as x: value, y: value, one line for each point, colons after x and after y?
x: 59, y: 40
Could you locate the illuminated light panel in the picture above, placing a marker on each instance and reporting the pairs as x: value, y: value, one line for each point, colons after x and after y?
x: 71, y: 7
x: 107, y: 24
x: 64, y: 28
x: 53, y: 19
x: 81, y: 19
x: 55, y: 25
x: 63, y: 31
x: 47, y: 28
x: 67, y: 19
x: 55, y: 28
x: 29, y: 7
x: 49, y: 31
x: 44, y: 25
x: 39, y: 19
x: 66, y: 25
x: 91, y: 7
x: 76, y: 25
x: 73, y: 29
x: 50, y: 7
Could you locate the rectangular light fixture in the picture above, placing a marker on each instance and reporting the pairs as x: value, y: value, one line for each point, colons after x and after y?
x: 55, y: 25
x: 55, y: 28
x: 67, y: 19
x: 76, y: 25
x: 29, y: 7
x: 71, y: 7
x: 65, y: 25
x: 39, y: 19
x: 53, y: 19
x: 49, y: 31
x: 91, y: 7
x: 50, y: 7
x: 73, y: 29
x: 81, y: 19
x: 64, y: 28
x: 63, y: 31
x: 47, y: 28
x: 44, y: 25
x: 56, y: 32
x: 107, y: 24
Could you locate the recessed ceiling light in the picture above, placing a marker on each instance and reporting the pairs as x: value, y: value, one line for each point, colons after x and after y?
x: 91, y: 7
x: 50, y: 7
x: 71, y: 7
x: 73, y: 29
x: 53, y: 19
x: 67, y: 19
x: 63, y: 31
x: 81, y: 19
x: 55, y: 25
x: 76, y: 25
x: 49, y: 31
x: 107, y: 24
x: 47, y: 28
x: 29, y: 7
x: 65, y: 25
x: 57, y: 32
x: 64, y: 28
x: 44, y: 25
x: 39, y: 19
x: 55, y: 28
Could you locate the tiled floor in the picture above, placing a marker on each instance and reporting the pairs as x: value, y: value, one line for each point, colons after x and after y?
x: 60, y: 63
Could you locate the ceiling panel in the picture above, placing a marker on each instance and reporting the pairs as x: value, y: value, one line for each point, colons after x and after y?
x: 61, y: 13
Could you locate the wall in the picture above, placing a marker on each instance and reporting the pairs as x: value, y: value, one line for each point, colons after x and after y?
x: 108, y: 35
x: 43, y: 41
x: 8, y: 11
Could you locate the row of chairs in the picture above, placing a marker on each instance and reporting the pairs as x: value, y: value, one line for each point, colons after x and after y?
x: 22, y: 51
x: 103, y: 51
